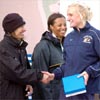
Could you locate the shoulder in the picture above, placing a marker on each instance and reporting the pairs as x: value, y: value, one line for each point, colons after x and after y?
x: 94, y: 29
x: 42, y: 45
x: 70, y: 34
x: 3, y: 47
x: 95, y: 32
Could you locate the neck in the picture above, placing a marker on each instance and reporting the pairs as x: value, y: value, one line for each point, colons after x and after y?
x: 82, y: 24
x: 60, y: 38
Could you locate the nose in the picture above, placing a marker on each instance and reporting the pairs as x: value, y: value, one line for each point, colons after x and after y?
x: 64, y: 27
x: 24, y: 30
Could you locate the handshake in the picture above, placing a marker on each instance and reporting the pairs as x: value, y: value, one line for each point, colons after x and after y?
x: 47, y: 77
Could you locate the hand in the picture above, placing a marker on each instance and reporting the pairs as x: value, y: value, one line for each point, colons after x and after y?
x: 29, y: 90
x: 50, y: 75
x: 47, y: 77
x: 86, y: 77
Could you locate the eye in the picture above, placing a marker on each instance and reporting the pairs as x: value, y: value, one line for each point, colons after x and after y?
x: 69, y: 15
x: 59, y: 25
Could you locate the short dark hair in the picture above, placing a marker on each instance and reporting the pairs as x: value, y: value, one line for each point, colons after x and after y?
x: 52, y: 18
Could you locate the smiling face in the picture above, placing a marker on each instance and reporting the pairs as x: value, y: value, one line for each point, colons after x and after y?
x: 59, y: 27
x: 74, y: 17
x: 18, y: 33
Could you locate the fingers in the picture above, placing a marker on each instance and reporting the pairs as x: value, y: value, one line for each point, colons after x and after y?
x: 85, y: 75
x: 80, y: 75
x: 45, y: 72
x: 29, y: 90
x: 28, y: 93
x: 26, y: 88
x: 50, y: 75
x: 45, y: 79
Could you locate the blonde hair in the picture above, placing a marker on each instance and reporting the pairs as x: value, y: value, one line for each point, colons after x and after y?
x: 83, y: 10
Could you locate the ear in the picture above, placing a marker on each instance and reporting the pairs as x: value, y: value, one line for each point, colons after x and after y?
x: 51, y: 27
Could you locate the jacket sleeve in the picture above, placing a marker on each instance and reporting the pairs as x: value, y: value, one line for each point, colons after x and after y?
x: 12, y: 70
x: 40, y: 62
x: 58, y: 72
x: 94, y: 70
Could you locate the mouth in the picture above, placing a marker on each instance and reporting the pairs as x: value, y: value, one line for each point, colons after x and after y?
x: 63, y: 31
x: 21, y: 34
x: 70, y: 21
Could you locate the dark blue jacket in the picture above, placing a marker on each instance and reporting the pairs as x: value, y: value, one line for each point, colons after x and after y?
x: 47, y: 56
x: 82, y: 53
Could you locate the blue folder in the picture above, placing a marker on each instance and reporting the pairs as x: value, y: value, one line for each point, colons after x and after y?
x: 73, y: 85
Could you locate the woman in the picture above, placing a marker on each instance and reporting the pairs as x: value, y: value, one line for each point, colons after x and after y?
x: 15, y: 74
x: 48, y: 55
x: 81, y: 52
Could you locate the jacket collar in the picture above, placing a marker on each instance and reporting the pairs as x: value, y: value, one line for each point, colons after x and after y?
x: 86, y: 27
x: 48, y: 36
x: 14, y: 42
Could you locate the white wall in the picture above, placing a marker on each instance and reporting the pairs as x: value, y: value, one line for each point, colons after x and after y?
x: 29, y: 10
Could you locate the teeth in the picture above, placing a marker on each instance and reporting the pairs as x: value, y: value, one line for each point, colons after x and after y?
x: 62, y: 31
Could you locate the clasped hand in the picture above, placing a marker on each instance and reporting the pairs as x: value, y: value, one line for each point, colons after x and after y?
x: 47, y: 77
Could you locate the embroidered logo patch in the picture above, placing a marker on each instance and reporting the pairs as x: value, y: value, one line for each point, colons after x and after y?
x: 87, y: 39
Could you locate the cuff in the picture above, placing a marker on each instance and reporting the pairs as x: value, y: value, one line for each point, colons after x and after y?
x: 89, y: 71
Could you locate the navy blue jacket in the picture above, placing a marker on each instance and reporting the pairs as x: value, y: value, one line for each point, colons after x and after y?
x: 82, y: 53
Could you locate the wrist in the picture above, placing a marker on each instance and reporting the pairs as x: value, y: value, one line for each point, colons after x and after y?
x: 53, y: 76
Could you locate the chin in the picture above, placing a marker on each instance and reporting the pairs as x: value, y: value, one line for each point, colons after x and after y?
x: 21, y: 38
x: 71, y: 26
